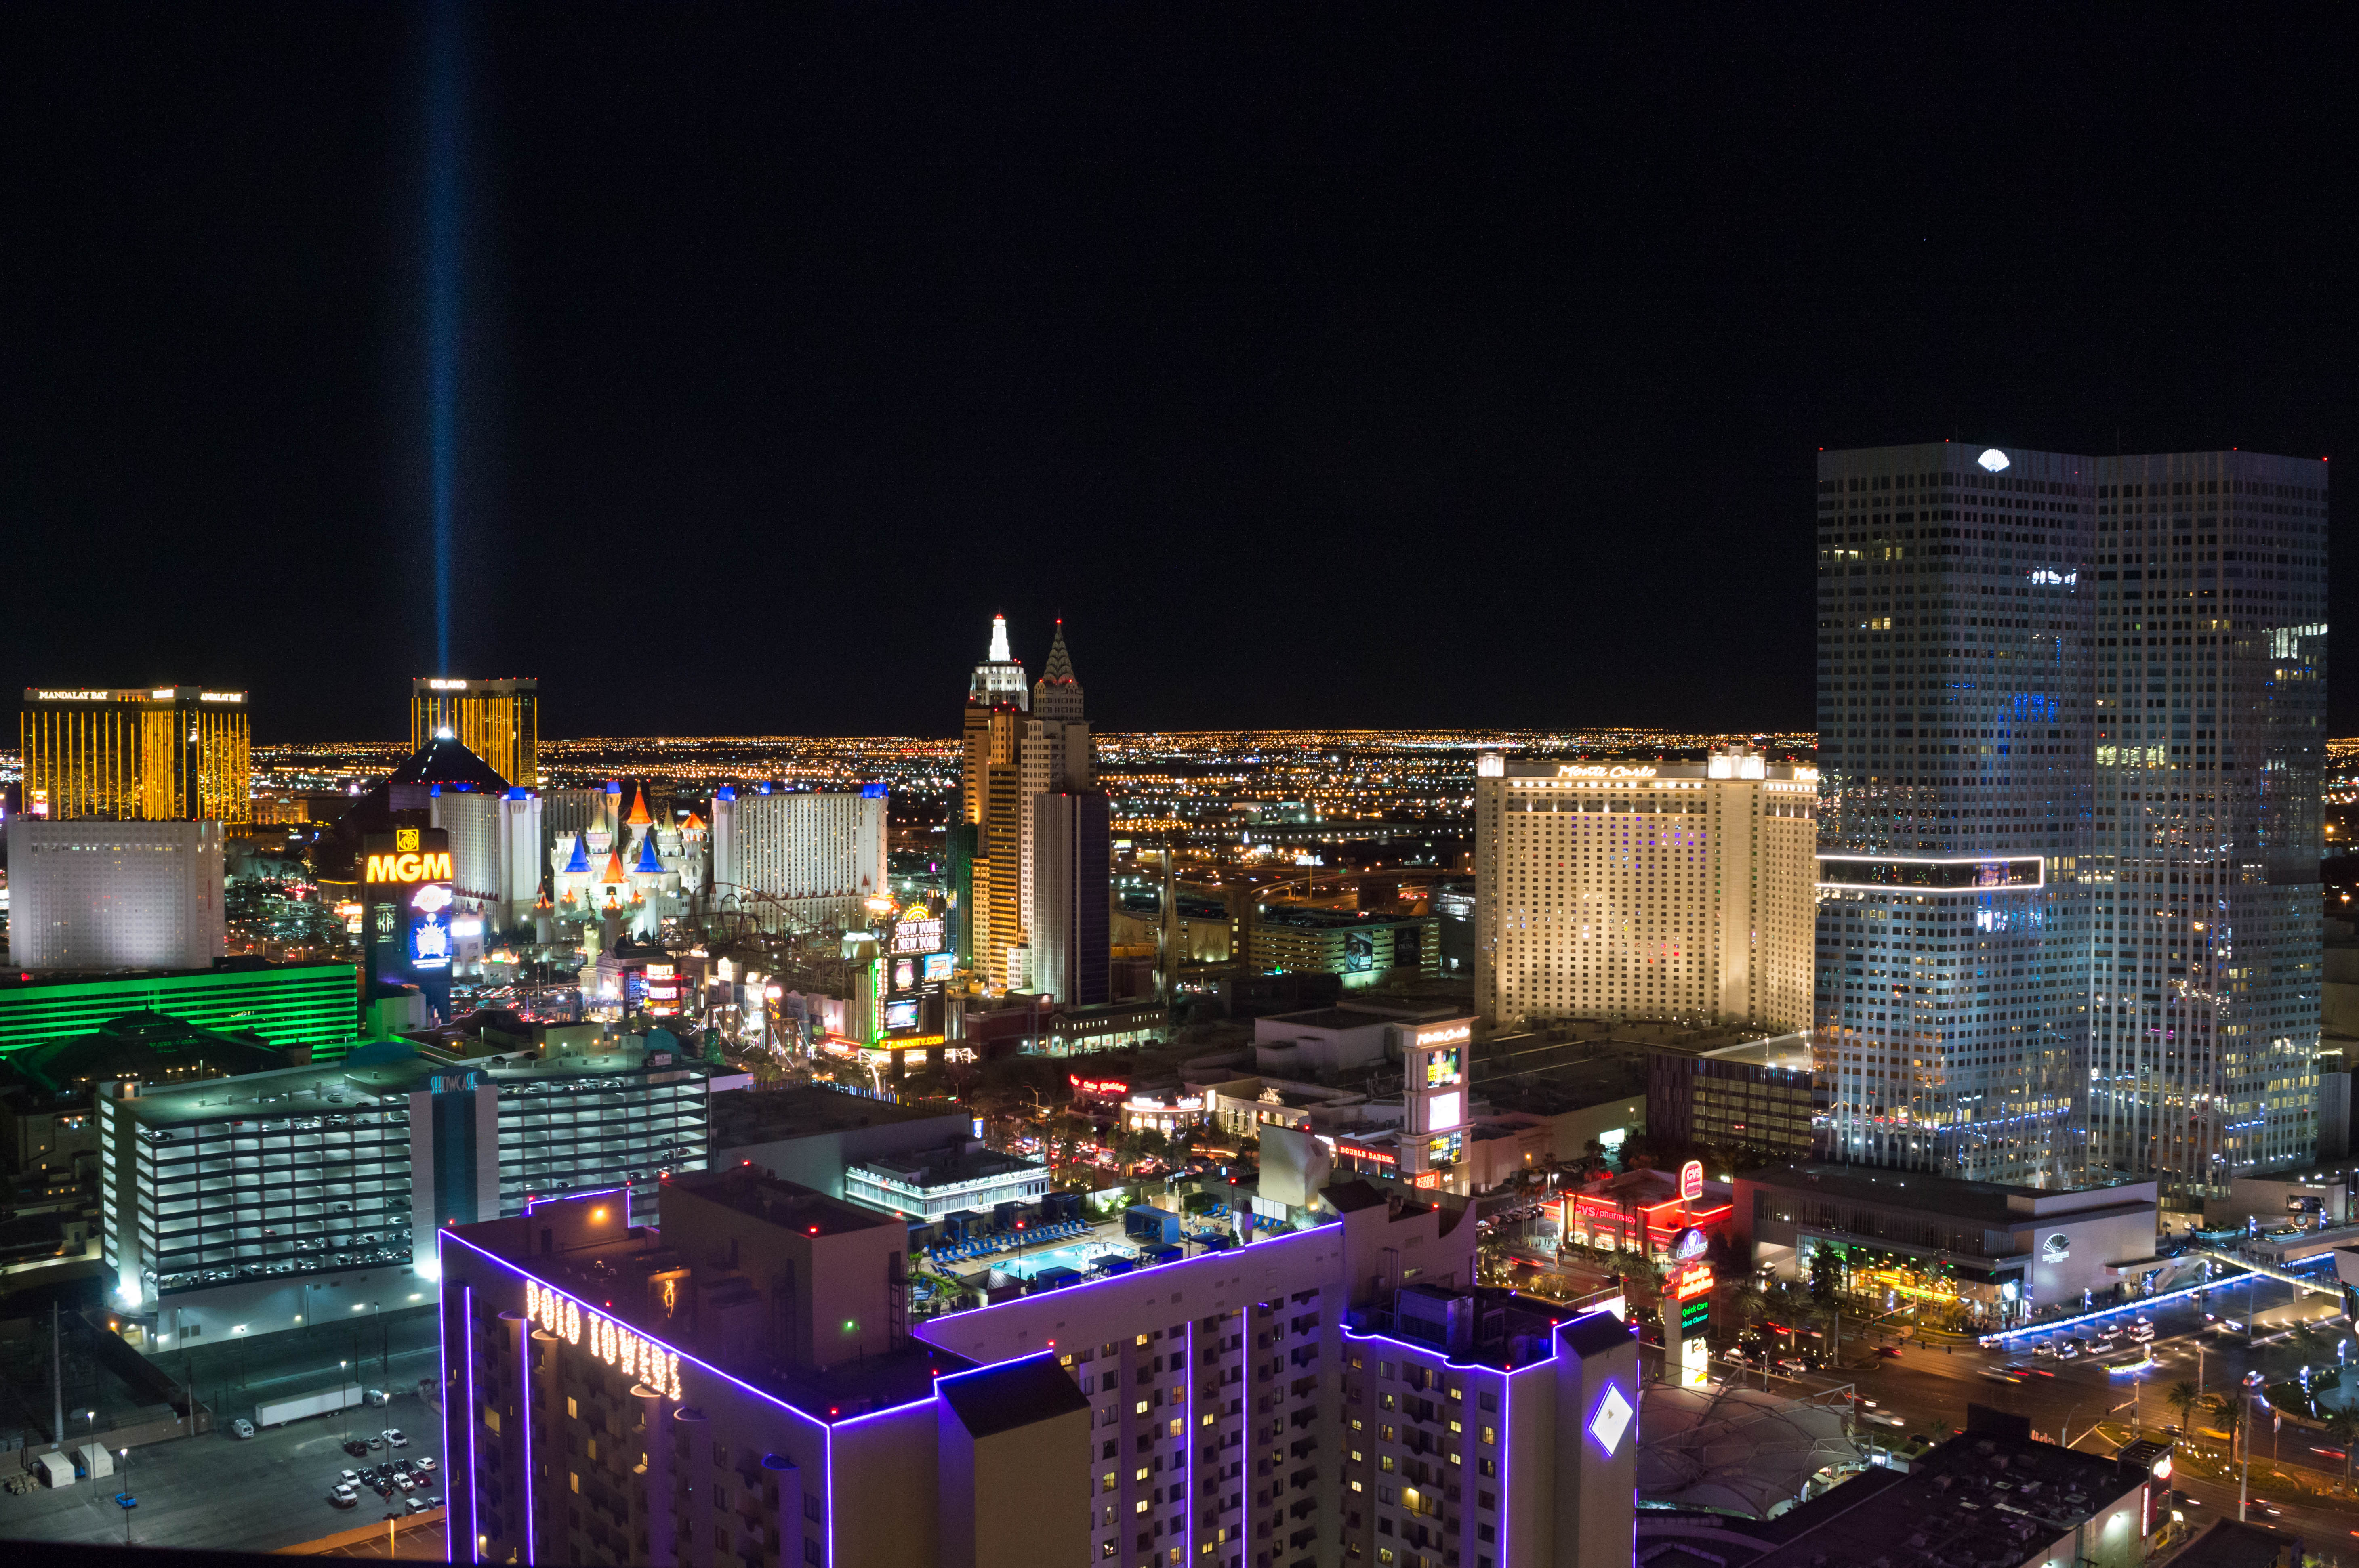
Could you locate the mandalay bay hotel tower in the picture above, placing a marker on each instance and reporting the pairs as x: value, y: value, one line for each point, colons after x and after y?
x: 2071, y: 719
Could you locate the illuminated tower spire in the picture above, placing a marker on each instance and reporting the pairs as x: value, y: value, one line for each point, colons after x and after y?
x: 999, y: 679
x: 1057, y: 695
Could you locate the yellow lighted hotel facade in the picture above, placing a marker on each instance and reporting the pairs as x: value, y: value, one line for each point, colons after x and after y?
x: 499, y: 720
x: 137, y: 756
x: 1671, y: 890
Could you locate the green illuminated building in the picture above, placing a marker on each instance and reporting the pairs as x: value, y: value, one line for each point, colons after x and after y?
x: 288, y: 1005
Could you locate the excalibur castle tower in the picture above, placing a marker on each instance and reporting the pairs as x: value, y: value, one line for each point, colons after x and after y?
x: 2071, y: 721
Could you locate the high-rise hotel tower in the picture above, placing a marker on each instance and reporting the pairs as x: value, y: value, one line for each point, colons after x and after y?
x: 2071, y: 716
x: 499, y: 720
x: 1644, y: 890
x: 137, y: 756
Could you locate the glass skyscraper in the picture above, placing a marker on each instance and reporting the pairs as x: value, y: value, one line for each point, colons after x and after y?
x: 2072, y: 731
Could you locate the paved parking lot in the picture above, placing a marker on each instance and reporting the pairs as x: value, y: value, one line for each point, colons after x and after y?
x: 216, y: 1493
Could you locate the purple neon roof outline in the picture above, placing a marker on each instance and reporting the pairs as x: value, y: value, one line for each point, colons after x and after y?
x: 1478, y: 1366
x: 608, y: 1313
x: 537, y: 1199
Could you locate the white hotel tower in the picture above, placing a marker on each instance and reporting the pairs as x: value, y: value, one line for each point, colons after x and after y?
x: 1674, y: 891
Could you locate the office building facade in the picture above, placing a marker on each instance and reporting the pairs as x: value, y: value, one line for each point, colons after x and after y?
x: 2069, y: 719
x: 499, y: 720
x: 141, y: 756
x: 1670, y: 889
x: 92, y: 894
x: 1072, y: 849
x: 740, y: 1388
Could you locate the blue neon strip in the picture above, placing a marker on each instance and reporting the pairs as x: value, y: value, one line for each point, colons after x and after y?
x: 1188, y: 1429
x: 2139, y: 1305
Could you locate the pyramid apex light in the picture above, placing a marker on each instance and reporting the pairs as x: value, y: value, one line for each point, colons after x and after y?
x: 999, y: 653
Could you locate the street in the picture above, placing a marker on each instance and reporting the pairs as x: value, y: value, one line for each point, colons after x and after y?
x: 1929, y: 1388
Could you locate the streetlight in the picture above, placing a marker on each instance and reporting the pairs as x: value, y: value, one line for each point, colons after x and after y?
x: 342, y: 1400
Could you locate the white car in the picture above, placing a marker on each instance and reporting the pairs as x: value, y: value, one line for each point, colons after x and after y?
x: 1886, y: 1418
x: 393, y: 1436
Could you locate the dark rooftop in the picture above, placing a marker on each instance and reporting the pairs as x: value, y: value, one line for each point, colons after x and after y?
x: 786, y: 1205
x: 144, y: 1047
x: 1011, y: 1394
x: 1308, y: 917
x: 1984, y: 1202
x: 1982, y: 1497
x: 952, y: 1162
x: 615, y: 1276
x: 764, y: 1116
x: 1334, y: 1018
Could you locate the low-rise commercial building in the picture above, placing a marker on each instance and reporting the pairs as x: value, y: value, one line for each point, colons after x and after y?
x: 810, y: 1134
x: 1996, y: 1252
x: 1361, y: 946
x: 930, y: 1183
x: 1759, y: 1095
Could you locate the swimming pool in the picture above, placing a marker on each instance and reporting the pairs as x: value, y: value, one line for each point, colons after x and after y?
x: 1079, y: 1256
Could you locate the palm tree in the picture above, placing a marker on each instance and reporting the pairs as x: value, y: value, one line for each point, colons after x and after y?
x: 2228, y: 1410
x: 2182, y: 1398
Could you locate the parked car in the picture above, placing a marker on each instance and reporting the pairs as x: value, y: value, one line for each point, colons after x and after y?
x: 426, y: 1461
x: 239, y: 1427
x: 356, y: 1446
x: 345, y: 1499
x: 349, y: 1477
x: 393, y: 1435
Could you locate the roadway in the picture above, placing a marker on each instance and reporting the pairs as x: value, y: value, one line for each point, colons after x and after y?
x: 1928, y: 1388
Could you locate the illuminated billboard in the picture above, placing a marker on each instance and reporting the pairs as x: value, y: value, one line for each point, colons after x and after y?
x: 925, y: 935
x: 406, y: 902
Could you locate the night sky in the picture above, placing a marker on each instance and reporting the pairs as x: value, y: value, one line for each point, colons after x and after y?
x: 1319, y: 365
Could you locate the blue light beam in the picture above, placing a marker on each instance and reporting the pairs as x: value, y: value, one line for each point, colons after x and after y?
x: 443, y: 202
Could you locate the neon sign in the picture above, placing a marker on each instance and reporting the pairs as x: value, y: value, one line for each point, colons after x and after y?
x: 629, y: 1352
x: 1691, y: 1181
x: 1571, y: 771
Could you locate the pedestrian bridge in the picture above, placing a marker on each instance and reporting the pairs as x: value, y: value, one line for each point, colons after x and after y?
x: 2311, y: 1282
